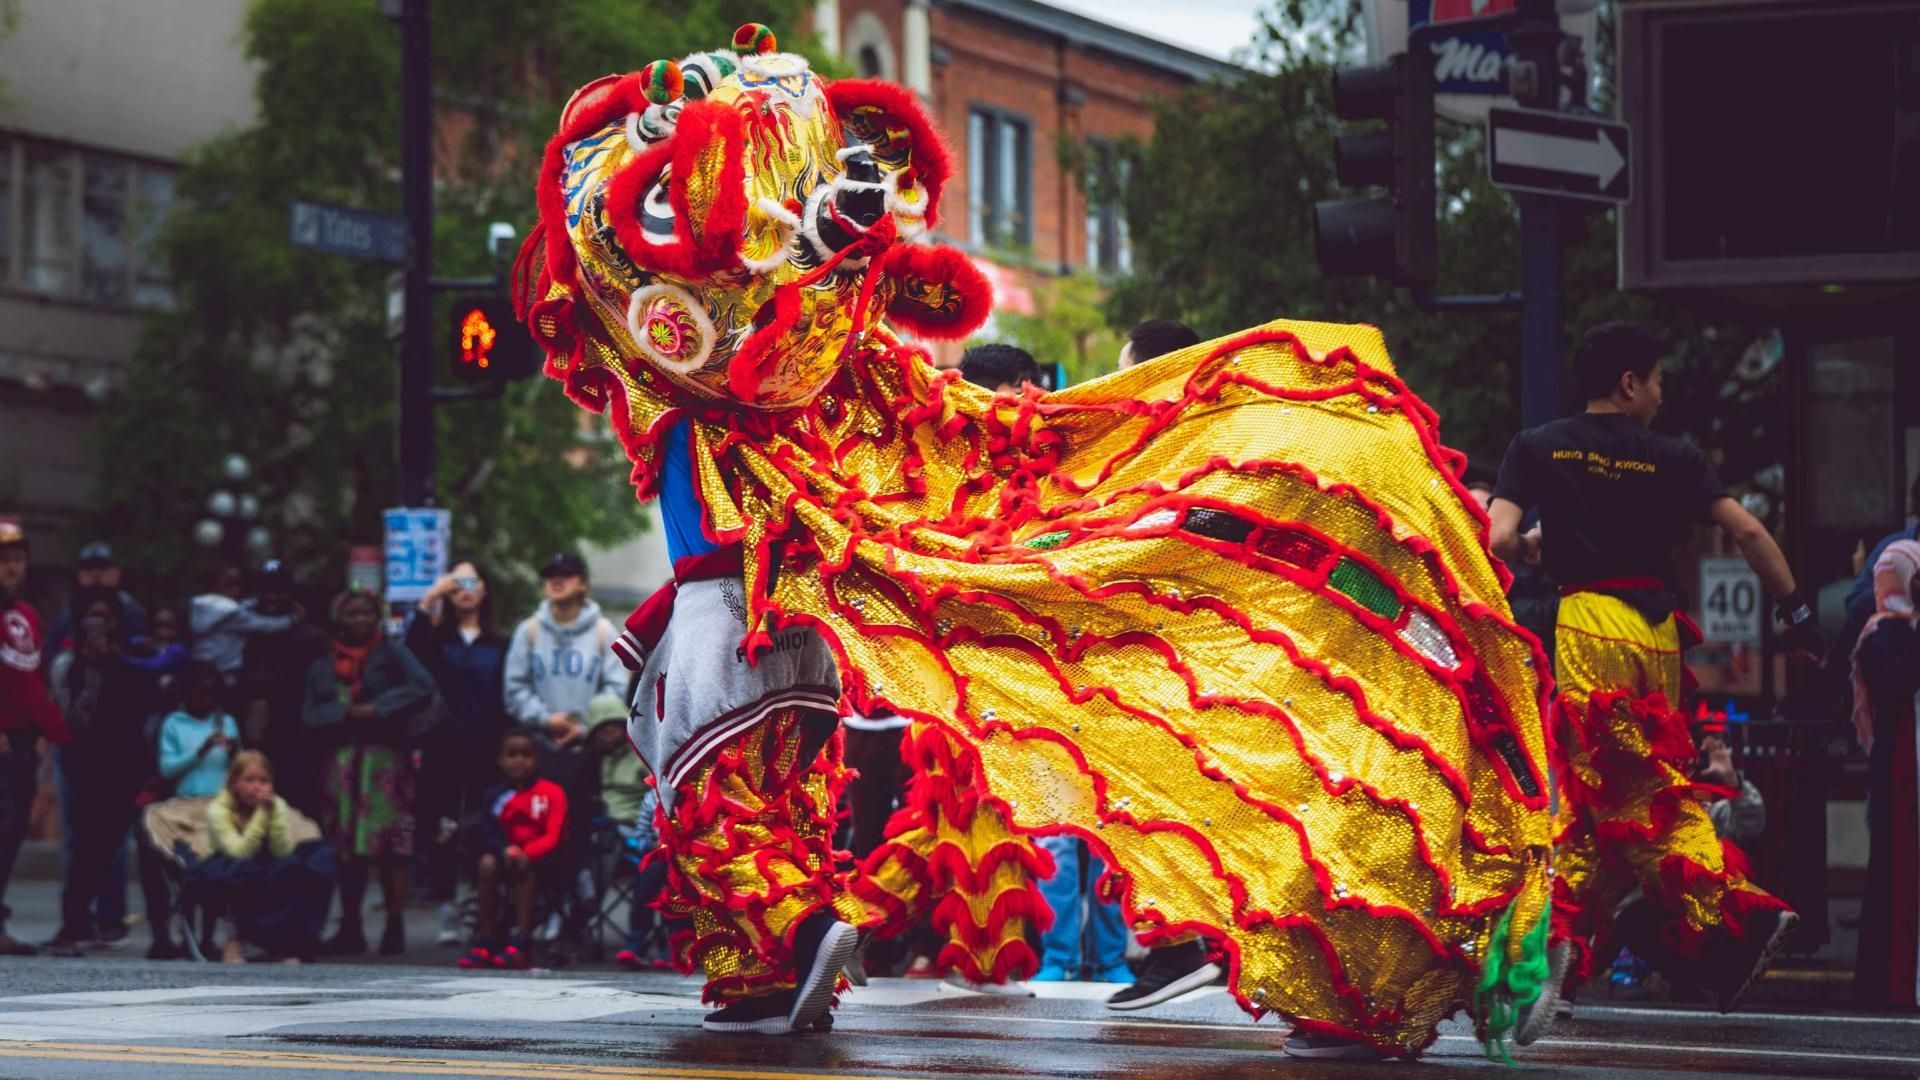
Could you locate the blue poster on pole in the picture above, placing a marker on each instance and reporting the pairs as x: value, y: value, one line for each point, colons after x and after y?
x: 417, y: 542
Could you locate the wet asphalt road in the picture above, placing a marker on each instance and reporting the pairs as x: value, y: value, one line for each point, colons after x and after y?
x: 115, y: 1016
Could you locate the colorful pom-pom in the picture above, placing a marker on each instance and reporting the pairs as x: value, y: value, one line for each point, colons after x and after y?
x: 754, y: 38
x: 662, y: 81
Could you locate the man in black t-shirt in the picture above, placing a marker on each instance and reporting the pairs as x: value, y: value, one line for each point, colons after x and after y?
x: 1614, y: 498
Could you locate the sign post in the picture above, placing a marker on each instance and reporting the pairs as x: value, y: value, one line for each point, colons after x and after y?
x: 417, y: 542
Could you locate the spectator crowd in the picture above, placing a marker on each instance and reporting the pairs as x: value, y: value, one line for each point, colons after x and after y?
x: 258, y: 765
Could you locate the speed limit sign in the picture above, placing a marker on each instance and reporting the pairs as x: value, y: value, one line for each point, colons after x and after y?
x: 1730, y: 601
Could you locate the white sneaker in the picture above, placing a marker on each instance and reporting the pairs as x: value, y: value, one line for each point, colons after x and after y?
x: 1539, y: 1016
x: 1007, y: 989
x: 449, y: 925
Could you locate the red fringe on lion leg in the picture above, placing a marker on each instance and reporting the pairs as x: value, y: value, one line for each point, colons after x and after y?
x: 750, y: 857
x: 1649, y: 818
x: 950, y: 852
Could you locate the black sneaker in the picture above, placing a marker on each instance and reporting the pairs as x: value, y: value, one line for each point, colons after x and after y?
x: 346, y: 943
x: 165, y: 949
x: 1171, y: 970
x: 1330, y: 1048
x: 767, y: 1015
x: 1741, y: 961
x: 394, y: 941
x: 821, y: 949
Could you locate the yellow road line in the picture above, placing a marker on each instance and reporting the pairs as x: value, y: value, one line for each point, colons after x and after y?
x: 375, y: 1063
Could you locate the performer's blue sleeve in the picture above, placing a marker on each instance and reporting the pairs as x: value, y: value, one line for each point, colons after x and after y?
x: 680, y: 510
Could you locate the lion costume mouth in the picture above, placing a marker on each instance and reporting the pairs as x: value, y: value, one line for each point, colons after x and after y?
x: 734, y: 223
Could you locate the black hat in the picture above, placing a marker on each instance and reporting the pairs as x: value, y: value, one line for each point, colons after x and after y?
x: 564, y: 564
x: 95, y: 555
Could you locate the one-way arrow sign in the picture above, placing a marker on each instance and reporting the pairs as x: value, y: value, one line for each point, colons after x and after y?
x: 1577, y: 157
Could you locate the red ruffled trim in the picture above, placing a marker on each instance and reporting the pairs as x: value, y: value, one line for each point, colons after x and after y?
x: 1013, y: 961
x: 697, y: 818
x: 1681, y: 876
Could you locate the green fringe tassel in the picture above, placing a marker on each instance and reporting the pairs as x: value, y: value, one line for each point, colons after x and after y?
x: 1506, y: 990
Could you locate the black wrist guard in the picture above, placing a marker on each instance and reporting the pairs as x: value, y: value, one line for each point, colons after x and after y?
x: 1792, y: 609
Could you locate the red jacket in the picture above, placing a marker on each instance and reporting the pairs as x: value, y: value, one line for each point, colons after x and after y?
x: 530, y: 818
x: 24, y: 701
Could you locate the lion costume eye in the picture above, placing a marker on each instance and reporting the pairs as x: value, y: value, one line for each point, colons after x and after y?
x: 671, y: 326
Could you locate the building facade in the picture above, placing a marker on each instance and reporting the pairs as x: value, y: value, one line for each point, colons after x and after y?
x: 1014, y: 83
x: 101, y: 99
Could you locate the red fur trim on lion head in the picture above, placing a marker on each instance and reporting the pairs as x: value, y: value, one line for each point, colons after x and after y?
x: 900, y: 107
x: 965, y: 290
x: 699, y: 247
x: 591, y: 108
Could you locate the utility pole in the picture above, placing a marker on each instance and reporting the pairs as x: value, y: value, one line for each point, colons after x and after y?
x: 1536, y: 84
x: 416, y: 184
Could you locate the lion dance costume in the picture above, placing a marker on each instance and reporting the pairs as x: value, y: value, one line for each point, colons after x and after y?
x: 1228, y: 615
x: 1631, y: 815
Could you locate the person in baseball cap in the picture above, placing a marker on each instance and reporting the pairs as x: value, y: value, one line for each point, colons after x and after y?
x: 27, y: 712
x: 560, y: 657
x: 95, y: 567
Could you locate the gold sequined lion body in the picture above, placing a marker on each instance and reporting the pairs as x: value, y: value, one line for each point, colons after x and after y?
x: 1228, y: 615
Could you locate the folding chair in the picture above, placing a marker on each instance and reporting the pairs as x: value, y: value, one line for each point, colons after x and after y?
x: 177, y: 829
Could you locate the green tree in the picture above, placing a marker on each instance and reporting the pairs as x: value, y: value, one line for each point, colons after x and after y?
x: 9, y: 25
x: 282, y: 355
x: 1219, y: 204
x: 1068, y: 327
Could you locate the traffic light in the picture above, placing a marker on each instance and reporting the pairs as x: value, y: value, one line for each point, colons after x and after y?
x: 488, y: 344
x: 1392, y: 235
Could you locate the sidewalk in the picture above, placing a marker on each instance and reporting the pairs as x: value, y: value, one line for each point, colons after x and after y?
x: 36, y: 918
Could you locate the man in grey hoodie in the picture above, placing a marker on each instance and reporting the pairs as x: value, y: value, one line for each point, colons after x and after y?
x: 561, y: 657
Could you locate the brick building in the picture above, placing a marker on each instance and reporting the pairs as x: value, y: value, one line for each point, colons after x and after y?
x: 1007, y: 80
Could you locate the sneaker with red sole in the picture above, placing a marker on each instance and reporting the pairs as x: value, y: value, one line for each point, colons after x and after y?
x: 630, y: 960
x: 478, y: 957
x: 513, y: 958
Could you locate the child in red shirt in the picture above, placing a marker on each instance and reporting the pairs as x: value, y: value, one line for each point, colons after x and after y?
x: 523, y: 821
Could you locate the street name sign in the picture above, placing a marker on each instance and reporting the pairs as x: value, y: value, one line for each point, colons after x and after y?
x: 341, y: 230
x: 1575, y: 157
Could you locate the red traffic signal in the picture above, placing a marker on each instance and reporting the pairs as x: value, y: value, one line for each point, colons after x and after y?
x: 487, y: 342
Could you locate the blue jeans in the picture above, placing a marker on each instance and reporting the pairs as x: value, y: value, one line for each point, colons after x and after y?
x: 1061, y: 946
x: 109, y: 906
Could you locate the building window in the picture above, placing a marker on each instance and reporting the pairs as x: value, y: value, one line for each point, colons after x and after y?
x: 82, y: 225
x: 999, y: 180
x: 871, y: 66
x: 1109, y: 251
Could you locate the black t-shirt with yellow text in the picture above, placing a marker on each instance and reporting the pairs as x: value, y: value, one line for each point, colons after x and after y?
x: 1614, y: 497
